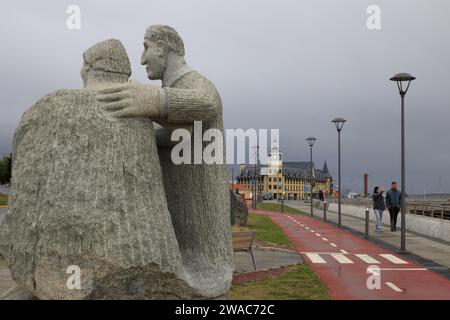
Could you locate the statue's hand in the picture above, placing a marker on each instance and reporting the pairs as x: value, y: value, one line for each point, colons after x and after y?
x: 131, y: 100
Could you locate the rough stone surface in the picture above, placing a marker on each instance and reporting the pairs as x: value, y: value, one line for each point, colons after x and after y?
x: 87, y: 190
x: 238, y: 209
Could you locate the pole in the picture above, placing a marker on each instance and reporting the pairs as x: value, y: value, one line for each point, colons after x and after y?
x: 339, y: 178
x: 311, y: 180
x: 403, y: 189
x: 257, y: 176
x: 325, y: 210
x: 253, y: 197
x: 366, y: 233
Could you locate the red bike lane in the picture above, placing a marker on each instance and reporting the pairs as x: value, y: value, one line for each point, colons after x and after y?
x: 354, y: 268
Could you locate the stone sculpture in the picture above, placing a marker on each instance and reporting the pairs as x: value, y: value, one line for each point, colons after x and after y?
x: 87, y: 191
x: 238, y: 210
x: 197, y: 194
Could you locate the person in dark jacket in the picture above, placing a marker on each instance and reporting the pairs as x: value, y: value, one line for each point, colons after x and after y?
x: 378, y: 206
x: 321, y: 195
x: 394, y: 203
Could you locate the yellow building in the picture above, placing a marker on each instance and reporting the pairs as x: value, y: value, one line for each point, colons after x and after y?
x: 289, y: 179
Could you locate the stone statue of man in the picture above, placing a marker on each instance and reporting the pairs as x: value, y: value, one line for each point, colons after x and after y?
x: 197, y: 194
x: 88, y: 216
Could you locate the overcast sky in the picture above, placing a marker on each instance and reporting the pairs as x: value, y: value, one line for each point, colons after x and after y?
x: 293, y: 65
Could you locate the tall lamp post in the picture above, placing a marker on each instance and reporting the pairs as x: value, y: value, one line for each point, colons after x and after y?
x: 280, y: 186
x: 311, y: 141
x: 403, y: 81
x: 339, y: 123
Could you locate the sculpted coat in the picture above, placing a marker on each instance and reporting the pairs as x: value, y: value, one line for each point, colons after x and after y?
x: 198, y: 194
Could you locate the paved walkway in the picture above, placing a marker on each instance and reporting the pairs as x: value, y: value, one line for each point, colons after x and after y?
x: 346, y: 262
x: 266, y: 259
x: 5, y: 277
x: 435, y: 254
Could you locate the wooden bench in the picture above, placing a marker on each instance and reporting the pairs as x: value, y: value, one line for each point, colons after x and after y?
x: 243, y: 242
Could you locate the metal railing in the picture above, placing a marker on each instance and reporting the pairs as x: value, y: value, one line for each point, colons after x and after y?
x: 441, y: 211
x: 434, y: 208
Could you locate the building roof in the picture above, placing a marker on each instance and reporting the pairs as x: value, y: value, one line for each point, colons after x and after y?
x: 291, y: 170
x: 295, y: 173
x: 325, y: 168
x: 303, y: 165
x: 249, y: 171
x: 320, y: 175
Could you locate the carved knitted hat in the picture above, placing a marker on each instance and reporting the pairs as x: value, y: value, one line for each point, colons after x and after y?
x: 108, y: 56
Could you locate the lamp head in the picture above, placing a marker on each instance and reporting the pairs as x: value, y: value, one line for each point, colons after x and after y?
x: 339, y: 123
x: 403, y: 79
x: 311, y: 141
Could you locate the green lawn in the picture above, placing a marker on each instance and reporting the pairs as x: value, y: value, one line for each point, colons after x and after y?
x: 3, y: 199
x: 299, y: 284
x: 266, y: 230
x: 276, y: 207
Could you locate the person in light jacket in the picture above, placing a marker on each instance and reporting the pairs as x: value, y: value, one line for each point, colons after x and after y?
x: 378, y: 206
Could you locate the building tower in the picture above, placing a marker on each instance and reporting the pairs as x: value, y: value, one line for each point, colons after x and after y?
x: 275, y: 159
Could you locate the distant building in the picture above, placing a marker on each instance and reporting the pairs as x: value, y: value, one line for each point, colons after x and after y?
x: 290, y: 179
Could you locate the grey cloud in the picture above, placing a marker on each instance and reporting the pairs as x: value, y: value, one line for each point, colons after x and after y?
x: 292, y: 65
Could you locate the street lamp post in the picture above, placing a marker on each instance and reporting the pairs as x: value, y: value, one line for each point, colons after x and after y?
x: 280, y: 186
x: 403, y: 79
x: 339, y: 123
x: 311, y: 141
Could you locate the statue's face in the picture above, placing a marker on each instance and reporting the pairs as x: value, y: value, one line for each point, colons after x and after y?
x: 154, y: 58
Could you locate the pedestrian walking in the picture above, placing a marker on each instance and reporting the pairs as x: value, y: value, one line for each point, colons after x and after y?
x: 393, y: 203
x: 378, y: 206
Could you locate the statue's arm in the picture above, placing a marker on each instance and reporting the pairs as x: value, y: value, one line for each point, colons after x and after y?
x: 189, y: 105
x: 171, y: 105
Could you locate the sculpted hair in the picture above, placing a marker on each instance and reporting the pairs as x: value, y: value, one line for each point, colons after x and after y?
x: 167, y: 34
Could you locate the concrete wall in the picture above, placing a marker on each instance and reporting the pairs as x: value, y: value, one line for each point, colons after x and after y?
x: 432, y: 227
x: 319, y: 204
